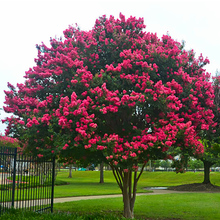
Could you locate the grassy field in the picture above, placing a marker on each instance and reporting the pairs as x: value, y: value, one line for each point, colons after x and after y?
x: 187, y: 206
x: 86, y: 183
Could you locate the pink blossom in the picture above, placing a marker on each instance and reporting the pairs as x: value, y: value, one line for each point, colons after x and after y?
x: 65, y: 146
x: 115, y: 163
x: 74, y: 81
x: 125, y: 157
x: 204, y: 127
x: 169, y: 143
x: 88, y: 146
x: 133, y: 154
x: 106, y: 41
x: 93, y: 125
x: 135, y: 167
x: 99, y: 147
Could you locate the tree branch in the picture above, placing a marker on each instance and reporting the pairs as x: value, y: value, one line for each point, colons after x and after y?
x: 142, y: 169
x: 117, y: 177
x: 135, y: 185
x: 130, y: 184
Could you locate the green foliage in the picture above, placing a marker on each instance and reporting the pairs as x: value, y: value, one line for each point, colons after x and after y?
x: 165, y: 164
x: 211, y: 140
x: 195, y: 164
x: 211, y: 150
x: 156, y: 163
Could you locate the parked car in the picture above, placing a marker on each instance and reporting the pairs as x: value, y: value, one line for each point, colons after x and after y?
x: 82, y: 169
x: 92, y: 167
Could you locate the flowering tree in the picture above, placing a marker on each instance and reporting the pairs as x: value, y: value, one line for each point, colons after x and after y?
x: 8, y: 142
x: 115, y: 93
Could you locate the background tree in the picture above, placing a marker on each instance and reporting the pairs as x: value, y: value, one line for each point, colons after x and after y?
x: 101, y: 172
x: 195, y: 164
x: 211, y: 140
x: 155, y: 164
x: 165, y: 164
x: 115, y: 93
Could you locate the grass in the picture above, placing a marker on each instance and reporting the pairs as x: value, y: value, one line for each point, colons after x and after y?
x: 19, y: 215
x: 85, y: 183
x: 26, y: 192
x: 187, y: 206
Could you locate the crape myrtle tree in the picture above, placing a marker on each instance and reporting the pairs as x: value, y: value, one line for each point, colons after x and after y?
x: 8, y: 142
x: 115, y: 93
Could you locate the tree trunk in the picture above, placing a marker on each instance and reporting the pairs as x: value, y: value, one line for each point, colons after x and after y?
x: 128, y: 209
x: 128, y: 185
x: 70, y: 171
x: 207, y: 166
x: 101, y: 173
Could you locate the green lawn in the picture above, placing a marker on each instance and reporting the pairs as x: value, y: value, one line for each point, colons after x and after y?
x: 87, y: 182
x: 189, y: 206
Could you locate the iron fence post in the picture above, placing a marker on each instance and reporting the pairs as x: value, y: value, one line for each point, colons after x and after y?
x: 14, y: 177
x: 53, y: 180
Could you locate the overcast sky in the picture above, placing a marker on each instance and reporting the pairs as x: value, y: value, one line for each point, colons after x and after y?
x: 23, y: 24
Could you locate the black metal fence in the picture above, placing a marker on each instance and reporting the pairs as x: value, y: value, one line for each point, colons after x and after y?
x: 25, y: 183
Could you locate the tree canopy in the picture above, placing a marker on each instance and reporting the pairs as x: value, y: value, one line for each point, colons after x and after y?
x: 114, y: 93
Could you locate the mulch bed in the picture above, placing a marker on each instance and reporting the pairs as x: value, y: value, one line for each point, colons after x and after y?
x: 196, y: 187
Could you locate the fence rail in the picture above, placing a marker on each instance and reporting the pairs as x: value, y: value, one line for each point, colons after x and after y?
x: 25, y: 182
